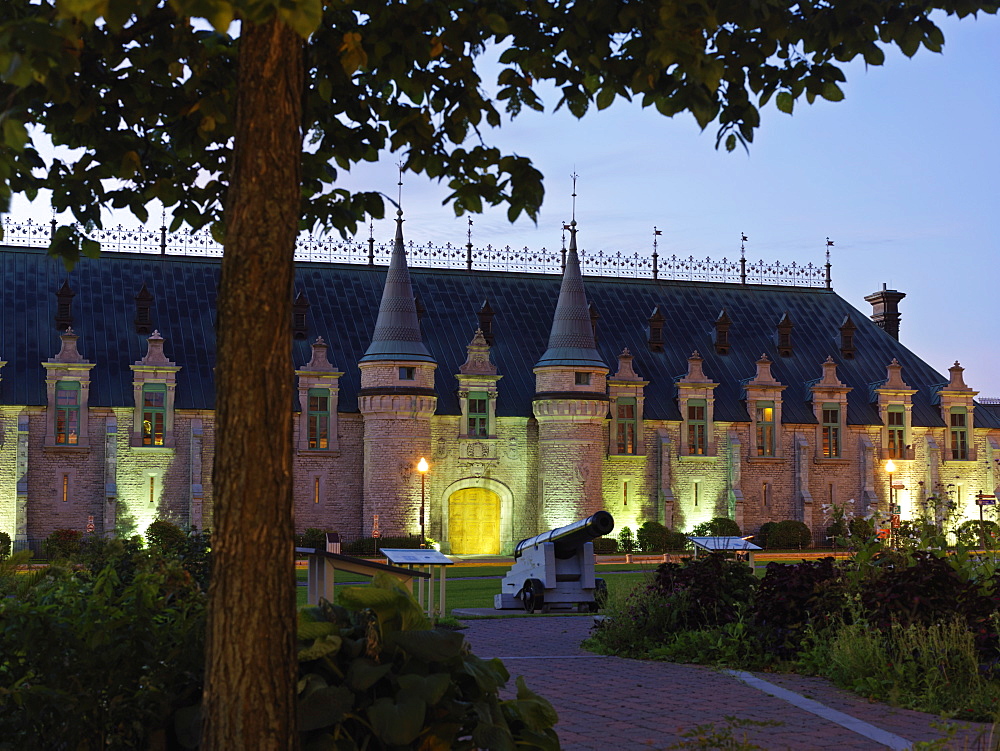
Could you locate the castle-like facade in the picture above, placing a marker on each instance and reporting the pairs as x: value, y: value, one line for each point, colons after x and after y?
x: 535, y: 400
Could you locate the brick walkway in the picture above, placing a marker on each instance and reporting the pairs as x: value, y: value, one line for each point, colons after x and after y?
x: 614, y: 703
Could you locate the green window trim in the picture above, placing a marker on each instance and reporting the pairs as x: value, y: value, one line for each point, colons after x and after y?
x: 67, y: 413
x: 318, y: 420
x: 154, y: 414
x: 697, y: 426
x: 765, y: 416
x: 831, y: 431
x: 959, y: 427
x: 895, y: 419
x: 478, y: 417
x: 626, y: 422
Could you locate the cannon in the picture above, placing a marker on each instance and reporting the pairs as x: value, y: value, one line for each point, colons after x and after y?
x: 555, y: 569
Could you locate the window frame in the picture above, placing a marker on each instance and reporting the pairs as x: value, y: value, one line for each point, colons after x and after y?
x: 317, y: 418
x: 407, y: 373
x: 626, y: 427
x: 764, y: 430
x: 958, y: 443
x: 581, y: 378
x: 697, y: 427
x: 831, y: 444
x: 150, y: 413
x: 895, y: 436
x: 66, y: 414
x: 477, y: 423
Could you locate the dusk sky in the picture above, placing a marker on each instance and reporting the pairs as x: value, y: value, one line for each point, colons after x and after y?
x: 901, y: 175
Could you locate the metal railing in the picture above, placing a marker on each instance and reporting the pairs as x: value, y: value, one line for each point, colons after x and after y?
x: 489, y: 258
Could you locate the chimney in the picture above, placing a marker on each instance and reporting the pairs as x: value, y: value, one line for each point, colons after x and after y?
x: 884, y: 310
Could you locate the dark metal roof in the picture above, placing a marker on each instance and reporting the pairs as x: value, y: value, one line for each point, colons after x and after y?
x: 344, y: 301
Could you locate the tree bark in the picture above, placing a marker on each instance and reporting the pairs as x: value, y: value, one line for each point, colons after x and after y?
x: 249, y: 697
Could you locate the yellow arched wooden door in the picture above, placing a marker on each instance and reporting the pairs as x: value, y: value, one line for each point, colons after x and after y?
x: 474, y: 522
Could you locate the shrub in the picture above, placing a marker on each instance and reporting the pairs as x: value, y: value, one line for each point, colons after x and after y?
x: 676, y: 540
x: 789, y: 534
x: 793, y: 599
x: 311, y: 538
x: 408, y: 686
x: 366, y: 545
x: 165, y: 536
x: 971, y: 533
x: 652, y: 537
x: 764, y: 534
x: 4, y: 544
x: 706, y: 591
x: 626, y: 542
x: 89, y: 663
x: 861, y: 529
x: 605, y: 545
x: 62, y: 544
x: 720, y: 526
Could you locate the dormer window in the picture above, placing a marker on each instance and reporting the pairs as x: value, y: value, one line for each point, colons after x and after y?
x: 625, y: 424
x: 154, y: 413
x: 582, y: 379
x: 407, y: 373
x: 67, y: 413
x: 831, y: 431
x: 697, y: 427
x: 765, y: 428
x: 896, y: 431
x: 959, y: 427
x: 479, y: 414
x: 318, y: 427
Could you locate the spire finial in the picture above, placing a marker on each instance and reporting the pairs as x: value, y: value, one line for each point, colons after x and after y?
x: 743, y: 245
x: 656, y: 233
x: 399, y: 199
x: 573, y: 217
x: 469, y: 232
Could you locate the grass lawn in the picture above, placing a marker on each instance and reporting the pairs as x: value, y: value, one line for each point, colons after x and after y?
x: 465, y: 592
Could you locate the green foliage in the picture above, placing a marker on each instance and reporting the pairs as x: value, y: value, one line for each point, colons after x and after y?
x: 626, y: 541
x: 653, y: 537
x: 862, y: 530
x: 972, y: 533
x: 788, y: 534
x: 96, y: 663
x: 605, y: 545
x: 367, y: 545
x: 706, y: 591
x: 733, y: 644
x: 933, y: 668
x: 4, y: 544
x: 709, y: 737
x: 720, y: 526
x: 796, y: 599
x: 311, y: 538
x: 373, y: 675
x: 62, y: 544
x: 165, y: 536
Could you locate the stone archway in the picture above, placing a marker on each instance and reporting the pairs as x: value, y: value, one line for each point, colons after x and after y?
x: 477, y: 517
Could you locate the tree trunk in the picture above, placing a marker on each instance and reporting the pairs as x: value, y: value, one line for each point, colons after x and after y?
x: 249, y: 699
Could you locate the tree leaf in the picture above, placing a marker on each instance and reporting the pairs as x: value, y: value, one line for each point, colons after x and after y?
x: 785, y: 102
x: 832, y: 92
x: 303, y: 17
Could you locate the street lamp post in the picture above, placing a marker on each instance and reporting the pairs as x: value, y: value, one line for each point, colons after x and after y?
x: 422, y: 467
x: 890, y: 468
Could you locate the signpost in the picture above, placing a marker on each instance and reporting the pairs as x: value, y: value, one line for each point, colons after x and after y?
x: 984, y: 499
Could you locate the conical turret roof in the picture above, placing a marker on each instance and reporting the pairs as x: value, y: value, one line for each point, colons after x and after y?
x: 397, y: 330
x: 571, y: 339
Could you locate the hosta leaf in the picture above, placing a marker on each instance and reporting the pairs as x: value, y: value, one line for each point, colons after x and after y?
x: 429, y: 688
x: 362, y: 673
x: 429, y: 646
x: 397, y: 724
x: 324, y: 707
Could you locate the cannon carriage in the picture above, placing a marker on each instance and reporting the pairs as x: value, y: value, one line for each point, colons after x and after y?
x: 554, y: 570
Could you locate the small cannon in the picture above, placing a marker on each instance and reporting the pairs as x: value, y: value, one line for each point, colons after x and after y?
x: 555, y: 569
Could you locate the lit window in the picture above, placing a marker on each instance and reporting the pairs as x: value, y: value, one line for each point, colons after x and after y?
x: 154, y: 413
x: 831, y: 431
x: 765, y: 428
x: 319, y: 419
x: 896, y: 426
x: 479, y: 418
x: 67, y: 413
x: 583, y: 379
x: 959, y: 434
x: 407, y: 373
x: 697, y: 427
x: 626, y: 424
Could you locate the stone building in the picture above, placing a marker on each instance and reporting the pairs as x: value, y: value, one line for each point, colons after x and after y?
x: 536, y: 399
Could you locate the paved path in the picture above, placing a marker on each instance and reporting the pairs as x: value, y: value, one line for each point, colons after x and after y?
x: 615, y: 703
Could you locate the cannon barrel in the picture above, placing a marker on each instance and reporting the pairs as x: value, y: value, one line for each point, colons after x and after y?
x: 567, y: 539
